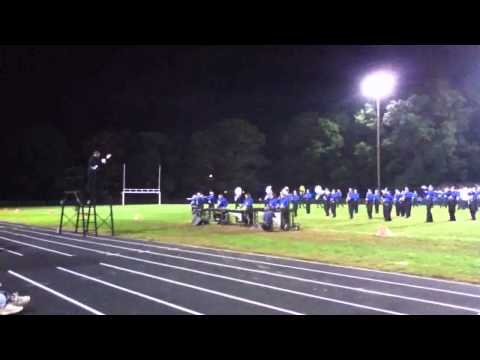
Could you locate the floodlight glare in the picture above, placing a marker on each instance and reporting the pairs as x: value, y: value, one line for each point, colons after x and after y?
x: 378, y: 85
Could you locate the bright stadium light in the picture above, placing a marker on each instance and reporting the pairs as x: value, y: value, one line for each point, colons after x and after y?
x: 378, y: 86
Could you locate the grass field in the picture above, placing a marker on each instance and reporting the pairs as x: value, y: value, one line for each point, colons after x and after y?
x: 442, y: 249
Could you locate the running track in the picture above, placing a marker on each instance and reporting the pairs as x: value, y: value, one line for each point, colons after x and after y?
x: 69, y: 274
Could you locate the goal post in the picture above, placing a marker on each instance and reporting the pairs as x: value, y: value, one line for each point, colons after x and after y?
x: 155, y: 191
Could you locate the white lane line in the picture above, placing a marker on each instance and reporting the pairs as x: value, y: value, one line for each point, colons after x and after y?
x: 228, y: 278
x: 326, y: 272
x: 62, y: 296
x: 297, y: 278
x: 58, y: 243
x: 262, y: 285
x: 140, y: 242
x: 338, y: 266
x: 139, y: 294
x: 286, y: 266
x: 460, y: 293
x: 290, y: 277
x: 228, y: 296
x: 35, y: 246
x: 11, y: 252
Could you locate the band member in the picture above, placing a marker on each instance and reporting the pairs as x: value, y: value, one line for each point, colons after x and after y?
x: 387, y: 200
x: 211, y: 200
x: 401, y: 203
x: 451, y: 195
x: 465, y: 198
x: 430, y: 196
x: 369, y: 200
x: 268, y: 195
x: 273, y: 203
x: 284, y: 211
x: 326, y: 198
x: 295, y: 199
x: 443, y: 197
x: 199, y: 200
x: 351, y: 202
x: 248, y: 205
x: 377, y: 201
x: 318, y: 195
x: 474, y: 195
x: 301, y: 193
x: 333, y: 203
x: 408, y: 197
x: 396, y: 201
x: 222, y: 204
x: 237, y: 197
x: 415, y: 199
x: 307, y: 198
x: 193, y: 202
x: 268, y: 215
x: 356, y: 200
x: 339, y: 197
x: 285, y: 191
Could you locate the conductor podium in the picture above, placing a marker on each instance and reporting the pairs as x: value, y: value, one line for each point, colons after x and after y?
x: 85, y: 215
x: 71, y: 199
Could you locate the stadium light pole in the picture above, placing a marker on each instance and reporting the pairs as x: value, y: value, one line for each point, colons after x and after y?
x: 378, y: 86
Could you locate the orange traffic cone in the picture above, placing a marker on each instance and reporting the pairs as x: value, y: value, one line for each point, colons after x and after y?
x: 383, y: 231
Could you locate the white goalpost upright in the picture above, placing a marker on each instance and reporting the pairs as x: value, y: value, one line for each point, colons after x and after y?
x: 156, y: 191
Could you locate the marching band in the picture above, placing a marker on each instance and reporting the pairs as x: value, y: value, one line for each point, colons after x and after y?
x: 401, y: 200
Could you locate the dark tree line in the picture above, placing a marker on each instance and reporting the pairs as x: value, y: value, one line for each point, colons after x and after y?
x: 431, y: 136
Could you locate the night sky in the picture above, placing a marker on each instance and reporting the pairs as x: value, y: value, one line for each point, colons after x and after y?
x: 179, y: 89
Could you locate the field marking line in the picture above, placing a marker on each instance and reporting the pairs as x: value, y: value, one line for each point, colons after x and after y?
x: 167, y: 248
x: 11, y: 251
x: 210, y: 291
x: 64, y: 244
x: 54, y: 292
x: 261, y: 285
x: 36, y: 247
x: 143, y: 242
x: 335, y: 265
x: 296, y: 278
x: 229, y: 278
x: 139, y: 294
x: 460, y: 293
x: 290, y: 277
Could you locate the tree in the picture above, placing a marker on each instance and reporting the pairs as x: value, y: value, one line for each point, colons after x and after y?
x: 231, y: 151
x: 311, y: 146
x: 422, y: 137
x: 358, y: 152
